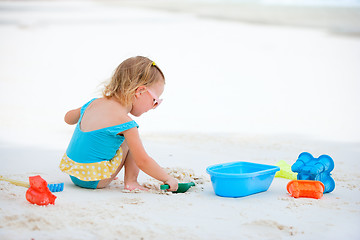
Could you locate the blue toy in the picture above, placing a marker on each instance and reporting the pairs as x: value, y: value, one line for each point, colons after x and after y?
x: 318, y: 169
x: 240, y: 179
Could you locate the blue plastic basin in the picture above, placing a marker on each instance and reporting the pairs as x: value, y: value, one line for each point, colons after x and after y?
x: 240, y: 179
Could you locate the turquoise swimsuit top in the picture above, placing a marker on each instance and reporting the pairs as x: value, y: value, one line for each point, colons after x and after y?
x: 98, y: 145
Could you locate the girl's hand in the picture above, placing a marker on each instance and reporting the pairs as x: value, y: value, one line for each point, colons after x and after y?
x: 173, y: 183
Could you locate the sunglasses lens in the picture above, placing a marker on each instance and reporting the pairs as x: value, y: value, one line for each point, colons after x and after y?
x: 157, y: 101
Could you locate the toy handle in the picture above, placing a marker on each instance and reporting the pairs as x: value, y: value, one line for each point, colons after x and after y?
x: 15, y: 182
x: 164, y: 186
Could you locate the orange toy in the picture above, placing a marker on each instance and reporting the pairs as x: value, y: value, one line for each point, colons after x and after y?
x: 39, y: 193
x: 306, y: 188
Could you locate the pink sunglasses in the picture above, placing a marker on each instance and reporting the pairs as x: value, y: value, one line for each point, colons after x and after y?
x: 157, y: 101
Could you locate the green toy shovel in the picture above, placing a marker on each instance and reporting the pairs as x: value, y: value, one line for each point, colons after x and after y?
x: 183, y: 187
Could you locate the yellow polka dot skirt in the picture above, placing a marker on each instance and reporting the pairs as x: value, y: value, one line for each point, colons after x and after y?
x: 91, y: 171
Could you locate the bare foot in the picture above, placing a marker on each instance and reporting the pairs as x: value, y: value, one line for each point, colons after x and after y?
x: 134, y: 186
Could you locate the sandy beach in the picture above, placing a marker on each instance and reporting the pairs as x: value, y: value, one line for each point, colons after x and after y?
x: 239, y: 88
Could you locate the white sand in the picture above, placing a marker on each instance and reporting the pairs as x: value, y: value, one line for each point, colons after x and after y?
x: 235, y: 92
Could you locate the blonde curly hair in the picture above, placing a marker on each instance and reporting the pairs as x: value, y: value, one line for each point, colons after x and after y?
x: 131, y: 74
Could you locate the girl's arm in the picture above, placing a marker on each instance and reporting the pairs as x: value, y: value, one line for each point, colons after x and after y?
x: 72, y: 116
x: 145, y: 162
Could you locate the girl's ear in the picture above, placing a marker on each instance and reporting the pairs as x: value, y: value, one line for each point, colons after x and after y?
x: 140, y: 90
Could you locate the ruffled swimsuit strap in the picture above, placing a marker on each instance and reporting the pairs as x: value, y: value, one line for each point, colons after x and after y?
x: 122, y: 127
x: 83, y: 108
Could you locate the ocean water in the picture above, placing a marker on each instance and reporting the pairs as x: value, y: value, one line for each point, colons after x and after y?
x: 310, y: 3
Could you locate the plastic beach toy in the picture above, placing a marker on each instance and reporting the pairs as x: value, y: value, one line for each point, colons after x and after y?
x: 182, y: 187
x: 318, y: 169
x: 39, y: 193
x: 240, y: 179
x: 285, y: 171
x: 306, y: 188
x: 56, y: 187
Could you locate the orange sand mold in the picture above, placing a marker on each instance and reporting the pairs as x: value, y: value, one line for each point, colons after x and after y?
x: 305, y: 188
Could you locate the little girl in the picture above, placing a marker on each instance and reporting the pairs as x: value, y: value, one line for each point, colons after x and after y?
x: 106, y: 138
